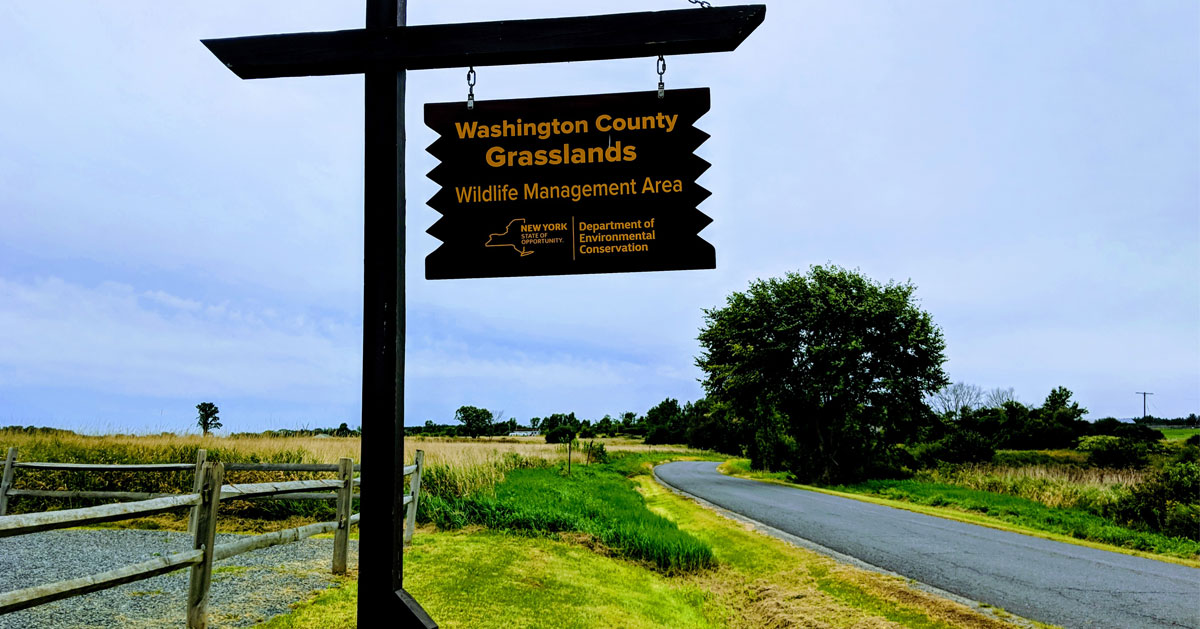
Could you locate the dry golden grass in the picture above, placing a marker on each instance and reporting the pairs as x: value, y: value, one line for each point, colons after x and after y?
x: 454, y: 466
x: 322, y: 450
x: 457, y: 467
x: 440, y: 450
x: 460, y: 451
x: 1051, y: 485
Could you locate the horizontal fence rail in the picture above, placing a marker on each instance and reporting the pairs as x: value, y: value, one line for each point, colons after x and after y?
x: 282, y: 467
x: 98, y: 495
x: 11, y: 525
x: 105, y: 467
x: 137, y: 495
x: 207, y: 493
x: 38, y: 595
x: 266, y: 540
x: 244, y: 491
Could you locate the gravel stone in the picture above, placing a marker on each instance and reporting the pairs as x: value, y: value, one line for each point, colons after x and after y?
x: 246, y: 589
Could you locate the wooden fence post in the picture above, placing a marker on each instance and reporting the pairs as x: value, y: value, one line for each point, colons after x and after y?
x: 7, y: 478
x: 206, y: 529
x: 341, y: 538
x: 197, y: 485
x: 414, y: 490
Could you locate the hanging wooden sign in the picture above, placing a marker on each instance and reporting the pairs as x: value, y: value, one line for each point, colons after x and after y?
x: 603, y: 183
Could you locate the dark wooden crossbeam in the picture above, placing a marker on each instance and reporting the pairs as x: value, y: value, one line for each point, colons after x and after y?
x: 509, y: 42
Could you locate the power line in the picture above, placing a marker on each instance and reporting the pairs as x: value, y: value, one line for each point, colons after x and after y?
x: 1143, y: 394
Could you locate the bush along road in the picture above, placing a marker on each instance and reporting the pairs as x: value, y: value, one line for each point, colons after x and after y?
x: 1047, y: 581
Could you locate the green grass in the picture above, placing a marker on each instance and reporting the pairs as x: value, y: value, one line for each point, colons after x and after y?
x: 481, y: 578
x: 335, y: 607
x: 1073, y: 523
x: 741, y: 467
x: 484, y: 579
x: 490, y: 579
x: 596, y: 500
x: 1179, y: 434
x: 858, y: 597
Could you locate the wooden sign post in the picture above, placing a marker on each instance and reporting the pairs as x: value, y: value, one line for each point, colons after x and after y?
x: 383, y: 52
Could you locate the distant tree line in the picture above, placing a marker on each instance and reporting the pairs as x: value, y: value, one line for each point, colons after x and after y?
x: 343, y: 430
x: 1191, y: 421
x: 474, y: 422
x: 667, y: 422
x: 37, y: 430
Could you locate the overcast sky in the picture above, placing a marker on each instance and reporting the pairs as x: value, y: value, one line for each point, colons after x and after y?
x: 171, y: 234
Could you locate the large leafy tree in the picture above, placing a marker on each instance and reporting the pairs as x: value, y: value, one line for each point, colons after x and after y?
x: 207, y: 418
x: 475, y: 421
x: 828, y: 371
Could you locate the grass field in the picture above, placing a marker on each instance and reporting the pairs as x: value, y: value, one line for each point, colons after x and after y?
x: 524, y: 545
x: 1179, y: 434
x: 453, y: 466
x: 506, y: 577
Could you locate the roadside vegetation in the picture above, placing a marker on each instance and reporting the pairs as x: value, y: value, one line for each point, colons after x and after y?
x: 509, y: 538
x: 607, y: 546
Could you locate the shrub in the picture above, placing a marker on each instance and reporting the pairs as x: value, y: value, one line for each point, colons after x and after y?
x: 1193, y: 440
x: 960, y: 446
x: 1109, y: 451
x: 1167, y: 501
x: 595, y: 452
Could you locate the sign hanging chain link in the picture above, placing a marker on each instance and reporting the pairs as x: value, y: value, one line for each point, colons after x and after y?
x: 702, y: 3
x: 662, y: 69
x: 471, y: 88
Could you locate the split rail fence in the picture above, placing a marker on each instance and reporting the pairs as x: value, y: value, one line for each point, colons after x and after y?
x: 208, y: 491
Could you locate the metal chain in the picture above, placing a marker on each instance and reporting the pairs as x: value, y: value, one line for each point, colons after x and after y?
x: 662, y: 69
x: 471, y: 88
x: 702, y: 3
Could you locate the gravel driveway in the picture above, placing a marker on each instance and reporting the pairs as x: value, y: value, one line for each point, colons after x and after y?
x: 246, y: 589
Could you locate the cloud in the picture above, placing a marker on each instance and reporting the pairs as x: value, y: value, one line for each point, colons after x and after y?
x: 114, y: 338
x: 113, y: 341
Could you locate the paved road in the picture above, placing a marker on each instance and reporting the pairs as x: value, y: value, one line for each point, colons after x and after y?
x: 1049, y: 581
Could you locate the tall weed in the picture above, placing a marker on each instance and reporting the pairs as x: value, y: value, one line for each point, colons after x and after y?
x: 1090, y: 489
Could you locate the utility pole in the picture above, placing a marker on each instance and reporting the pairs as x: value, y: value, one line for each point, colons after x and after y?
x: 1143, y: 394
